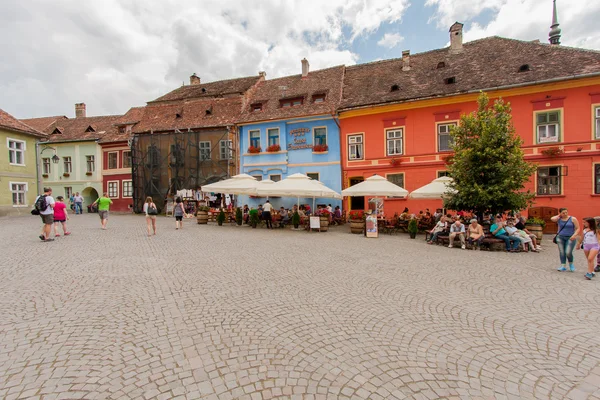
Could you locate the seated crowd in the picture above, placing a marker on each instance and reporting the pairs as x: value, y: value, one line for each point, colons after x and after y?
x: 283, y: 216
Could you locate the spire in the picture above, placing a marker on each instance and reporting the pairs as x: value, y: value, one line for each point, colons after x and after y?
x: 554, y: 29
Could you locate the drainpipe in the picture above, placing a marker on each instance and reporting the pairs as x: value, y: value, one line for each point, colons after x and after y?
x: 37, y: 167
x: 337, y: 122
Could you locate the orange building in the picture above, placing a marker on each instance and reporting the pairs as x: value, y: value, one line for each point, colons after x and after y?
x: 396, y: 114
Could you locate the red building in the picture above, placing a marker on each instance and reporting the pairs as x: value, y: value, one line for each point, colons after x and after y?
x: 396, y: 114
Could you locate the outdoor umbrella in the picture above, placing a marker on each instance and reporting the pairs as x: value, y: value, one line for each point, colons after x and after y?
x: 375, y: 186
x: 298, y: 185
x: 437, y: 189
x: 238, y: 184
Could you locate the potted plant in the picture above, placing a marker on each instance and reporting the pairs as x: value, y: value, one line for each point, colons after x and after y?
x: 449, y: 159
x: 536, y: 226
x: 254, y: 150
x: 253, y: 218
x: 202, y: 215
x: 296, y: 220
x: 320, y: 148
x: 221, y: 217
x: 273, y: 148
x: 552, y: 151
x: 44, y: 175
x: 89, y: 173
x: 324, y: 219
x: 394, y: 162
x: 238, y: 216
x: 357, y: 221
x: 413, y: 228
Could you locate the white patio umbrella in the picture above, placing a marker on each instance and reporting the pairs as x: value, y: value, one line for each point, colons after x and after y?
x: 375, y: 186
x: 298, y: 185
x: 238, y: 184
x: 437, y: 189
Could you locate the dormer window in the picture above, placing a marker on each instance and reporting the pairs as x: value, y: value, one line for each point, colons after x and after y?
x: 524, y: 68
x: 318, y: 98
x: 122, y: 129
x: 394, y: 88
x: 297, y: 101
x: 209, y: 110
x: 178, y: 116
x: 441, y: 64
x: 203, y: 90
x: 450, y: 81
x: 256, y: 107
x: 57, y: 131
x: 90, y: 129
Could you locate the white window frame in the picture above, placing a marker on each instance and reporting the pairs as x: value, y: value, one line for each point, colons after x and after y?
x: 315, y: 137
x: 597, y: 121
x: 46, y: 166
x: 394, y: 139
x: 202, y: 150
x: 68, y: 161
x: 108, y: 184
x: 68, y: 192
x: 108, y: 160
x: 403, y: 181
x: 556, y: 138
x: 123, y: 188
x: 14, y: 150
x: 90, y: 161
x: 257, y: 177
x: 226, y: 149
x: 272, y: 175
x: 559, y: 180
x: 269, y: 137
x: 125, y: 158
x: 250, y: 132
x: 12, y: 192
x: 353, y: 143
x: 314, y: 173
x: 447, y: 125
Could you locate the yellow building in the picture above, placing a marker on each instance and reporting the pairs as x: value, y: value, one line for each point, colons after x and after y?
x: 18, y: 166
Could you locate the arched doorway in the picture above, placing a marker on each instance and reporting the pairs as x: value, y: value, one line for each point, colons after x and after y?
x: 89, y: 195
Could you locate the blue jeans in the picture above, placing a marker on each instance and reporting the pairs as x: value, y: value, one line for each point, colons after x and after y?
x: 78, y: 208
x: 434, y: 236
x: 565, y: 248
x: 509, y: 241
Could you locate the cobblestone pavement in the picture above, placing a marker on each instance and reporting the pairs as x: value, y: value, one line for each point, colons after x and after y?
x: 235, y: 313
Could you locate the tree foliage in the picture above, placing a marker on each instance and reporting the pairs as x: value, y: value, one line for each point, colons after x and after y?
x: 488, y: 166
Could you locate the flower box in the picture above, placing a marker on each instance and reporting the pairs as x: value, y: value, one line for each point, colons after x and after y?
x: 44, y: 175
x: 395, y: 162
x: 254, y: 150
x: 66, y: 175
x: 88, y: 173
x: 273, y: 148
x: 552, y: 151
x: 320, y: 148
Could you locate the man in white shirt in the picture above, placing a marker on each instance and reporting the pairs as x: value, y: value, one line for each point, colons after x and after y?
x: 46, y: 213
x: 78, y: 200
x: 457, y: 228
x: 267, y: 208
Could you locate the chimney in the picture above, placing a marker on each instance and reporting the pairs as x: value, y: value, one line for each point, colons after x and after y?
x: 194, y: 79
x: 406, y: 60
x: 456, y: 39
x: 262, y: 74
x: 79, y: 110
x: 305, y: 66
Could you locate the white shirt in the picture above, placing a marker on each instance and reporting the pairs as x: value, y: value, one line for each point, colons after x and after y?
x: 78, y: 199
x: 267, y: 207
x: 329, y: 209
x: 50, y: 203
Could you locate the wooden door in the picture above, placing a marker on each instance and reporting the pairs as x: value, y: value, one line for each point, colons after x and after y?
x: 357, y: 202
x: 545, y: 213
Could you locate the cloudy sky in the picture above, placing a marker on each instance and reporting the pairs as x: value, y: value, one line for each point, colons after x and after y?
x: 116, y: 54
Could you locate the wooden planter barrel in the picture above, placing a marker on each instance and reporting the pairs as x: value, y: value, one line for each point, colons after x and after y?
x: 357, y: 226
x: 202, y: 217
x: 324, y: 223
x: 537, y: 230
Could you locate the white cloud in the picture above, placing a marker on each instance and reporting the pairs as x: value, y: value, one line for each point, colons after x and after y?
x: 116, y: 54
x: 390, y: 40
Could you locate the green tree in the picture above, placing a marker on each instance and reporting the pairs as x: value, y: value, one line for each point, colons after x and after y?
x: 488, y: 166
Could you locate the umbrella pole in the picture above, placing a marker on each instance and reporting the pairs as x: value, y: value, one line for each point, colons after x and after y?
x: 313, y: 210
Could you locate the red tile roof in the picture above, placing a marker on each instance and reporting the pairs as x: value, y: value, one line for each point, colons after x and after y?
x: 10, y: 123
x: 76, y: 129
x: 211, y: 89
x: 41, y: 124
x: 482, y: 64
x: 270, y: 92
x: 131, y: 117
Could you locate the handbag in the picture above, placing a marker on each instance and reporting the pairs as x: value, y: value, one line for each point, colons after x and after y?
x: 152, y: 209
x: 555, y: 236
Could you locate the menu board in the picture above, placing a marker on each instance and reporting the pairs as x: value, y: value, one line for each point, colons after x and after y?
x: 371, y: 226
x: 315, y: 223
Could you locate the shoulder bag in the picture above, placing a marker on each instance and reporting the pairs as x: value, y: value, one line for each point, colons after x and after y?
x: 555, y: 236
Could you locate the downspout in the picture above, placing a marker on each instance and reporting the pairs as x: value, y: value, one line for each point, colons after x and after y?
x: 37, y: 166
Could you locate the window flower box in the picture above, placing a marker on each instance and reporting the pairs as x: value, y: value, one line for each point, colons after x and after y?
x: 254, y: 150
x: 394, y: 162
x: 552, y: 151
x: 44, y: 175
x: 272, y: 148
x: 66, y: 175
x: 88, y: 173
x: 320, y: 148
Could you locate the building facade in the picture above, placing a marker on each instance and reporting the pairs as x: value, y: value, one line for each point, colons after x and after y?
x: 18, y: 165
x: 290, y: 126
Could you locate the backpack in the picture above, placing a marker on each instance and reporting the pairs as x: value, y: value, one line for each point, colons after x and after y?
x: 40, y: 203
x: 152, y: 209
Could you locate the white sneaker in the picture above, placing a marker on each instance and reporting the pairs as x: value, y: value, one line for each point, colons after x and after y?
x: 449, y: 246
x: 463, y: 247
x: 538, y: 247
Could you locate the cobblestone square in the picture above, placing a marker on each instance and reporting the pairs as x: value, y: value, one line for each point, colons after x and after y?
x: 236, y: 313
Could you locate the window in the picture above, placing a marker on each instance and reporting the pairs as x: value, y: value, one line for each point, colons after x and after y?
x: 225, y: 149
x: 355, y: 147
x: 257, y: 177
x: 204, y: 150
x: 394, y: 88
x: 444, y: 139
x: 255, y: 138
x: 320, y: 136
x: 113, y: 189
x: 127, y: 189
x: 19, y: 193
x: 597, y: 179
x: 256, y: 107
x: 442, y: 173
x: 313, y: 175
x: 396, y: 179
x: 127, y: 159
x: 113, y: 160
x: 90, y: 163
x: 548, y: 126
x: 450, y: 81
x: 273, y: 136
x: 291, y: 102
x: 121, y: 129
x: 177, y: 158
x: 67, y: 165
x: 394, y: 140
x: 16, y: 152
x: 597, y: 120
x: 524, y: 68
x: 153, y: 156
x: 318, y: 98
x: 275, y: 178
x: 45, y: 166
x: 68, y: 192
x: 549, y: 180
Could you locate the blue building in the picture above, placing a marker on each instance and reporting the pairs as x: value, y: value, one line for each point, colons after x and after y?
x: 289, y: 126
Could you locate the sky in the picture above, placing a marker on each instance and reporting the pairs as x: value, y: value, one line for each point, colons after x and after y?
x: 117, y: 54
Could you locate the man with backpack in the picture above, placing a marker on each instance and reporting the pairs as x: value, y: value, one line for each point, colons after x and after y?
x: 44, y: 204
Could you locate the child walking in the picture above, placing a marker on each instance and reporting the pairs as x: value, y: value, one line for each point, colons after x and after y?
x: 590, y: 245
x: 60, y: 216
x: 179, y: 213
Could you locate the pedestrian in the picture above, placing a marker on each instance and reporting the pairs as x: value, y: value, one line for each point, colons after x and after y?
x: 457, y: 228
x: 103, y: 204
x: 45, y: 205
x: 267, y: 208
x: 151, y: 212
x: 78, y: 199
x: 566, y: 238
x: 71, y: 201
x: 179, y: 213
x: 60, y: 216
x: 590, y: 245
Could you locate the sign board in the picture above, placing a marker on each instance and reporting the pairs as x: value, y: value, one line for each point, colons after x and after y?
x: 315, y: 223
x: 297, y: 139
x: 169, y: 208
x: 371, y: 226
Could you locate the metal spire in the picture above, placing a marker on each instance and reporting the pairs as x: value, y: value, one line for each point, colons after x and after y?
x: 554, y: 29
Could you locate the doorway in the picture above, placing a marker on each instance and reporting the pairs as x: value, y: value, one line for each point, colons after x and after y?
x: 89, y: 195
x: 357, y: 202
x: 545, y: 213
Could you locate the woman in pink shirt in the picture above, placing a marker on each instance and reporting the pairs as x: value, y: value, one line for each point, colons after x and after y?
x: 60, y: 216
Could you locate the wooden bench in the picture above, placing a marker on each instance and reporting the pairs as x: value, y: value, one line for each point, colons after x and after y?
x: 489, y: 243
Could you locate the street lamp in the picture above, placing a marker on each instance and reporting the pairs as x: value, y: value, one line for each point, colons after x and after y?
x: 55, y: 159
